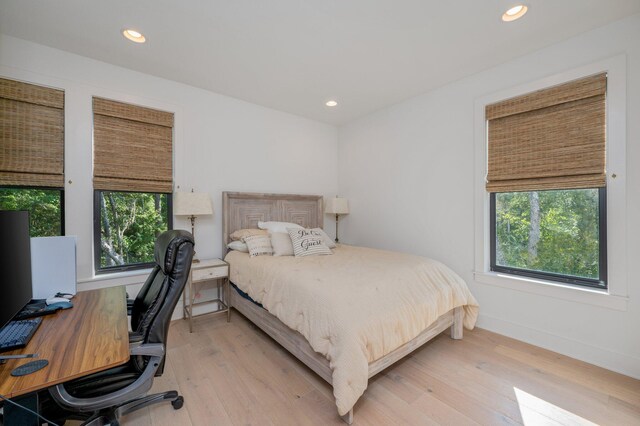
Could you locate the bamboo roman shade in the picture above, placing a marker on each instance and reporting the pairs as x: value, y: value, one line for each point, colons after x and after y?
x: 550, y: 139
x: 31, y: 135
x: 132, y: 148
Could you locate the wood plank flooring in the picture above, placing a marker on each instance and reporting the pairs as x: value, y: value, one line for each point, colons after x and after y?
x: 234, y: 374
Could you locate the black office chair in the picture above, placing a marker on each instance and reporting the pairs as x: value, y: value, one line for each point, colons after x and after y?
x: 102, y: 398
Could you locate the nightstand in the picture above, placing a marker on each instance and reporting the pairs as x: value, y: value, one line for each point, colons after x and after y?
x: 203, y: 271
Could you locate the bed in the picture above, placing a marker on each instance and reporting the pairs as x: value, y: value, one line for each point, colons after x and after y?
x: 347, y: 316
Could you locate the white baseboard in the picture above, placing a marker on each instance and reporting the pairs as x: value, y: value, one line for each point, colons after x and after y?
x: 614, y: 361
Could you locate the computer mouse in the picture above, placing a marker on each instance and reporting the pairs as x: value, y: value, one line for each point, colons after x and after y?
x: 59, y: 305
x: 67, y: 296
x: 52, y: 300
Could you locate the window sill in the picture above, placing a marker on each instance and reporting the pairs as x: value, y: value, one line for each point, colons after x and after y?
x: 553, y: 289
x: 114, y: 279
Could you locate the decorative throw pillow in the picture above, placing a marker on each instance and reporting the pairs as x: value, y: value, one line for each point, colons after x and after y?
x: 281, y: 242
x: 327, y: 239
x: 259, y: 245
x: 278, y: 226
x: 307, y: 242
x: 241, y: 234
x: 238, y: 246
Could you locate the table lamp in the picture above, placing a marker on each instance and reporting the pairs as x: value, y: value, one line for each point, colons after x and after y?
x: 337, y: 206
x: 192, y: 204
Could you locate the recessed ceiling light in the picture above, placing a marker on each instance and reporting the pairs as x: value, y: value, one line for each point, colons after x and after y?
x: 134, y: 36
x: 516, y: 12
x: 331, y: 103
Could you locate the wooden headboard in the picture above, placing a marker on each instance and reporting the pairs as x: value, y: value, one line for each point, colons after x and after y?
x: 244, y: 209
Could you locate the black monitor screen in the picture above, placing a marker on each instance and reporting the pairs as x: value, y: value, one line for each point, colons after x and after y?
x: 15, y: 264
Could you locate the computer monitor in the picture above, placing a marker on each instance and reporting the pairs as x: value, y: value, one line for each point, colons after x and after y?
x: 15, y: 264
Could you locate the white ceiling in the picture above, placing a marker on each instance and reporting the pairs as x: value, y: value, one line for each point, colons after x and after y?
x: 294, y: 55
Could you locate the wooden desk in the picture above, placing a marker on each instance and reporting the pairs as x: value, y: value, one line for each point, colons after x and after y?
x: 91, y: 337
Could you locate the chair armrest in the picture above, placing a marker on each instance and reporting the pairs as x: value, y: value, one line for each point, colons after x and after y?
x: 135, y: 337
x: 147, y: 349
x: 135, y: 390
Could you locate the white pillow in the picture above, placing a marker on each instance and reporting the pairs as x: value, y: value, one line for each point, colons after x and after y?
x: 238, y: 246
x: 259, y: 245
x: 307, y: 242
x: 278, y: 226
x: 240, y: 234
x: 327, y: 239
x: 282, y: 245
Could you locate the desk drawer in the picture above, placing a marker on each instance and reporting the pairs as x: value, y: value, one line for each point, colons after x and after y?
x: 209, y: 273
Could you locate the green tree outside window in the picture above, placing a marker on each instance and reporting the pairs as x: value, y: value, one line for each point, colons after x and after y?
x: 129, y: 224
x: 549, y: 231
x: 44, y: 206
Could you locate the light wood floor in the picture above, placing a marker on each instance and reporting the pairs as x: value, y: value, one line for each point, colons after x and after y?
x: 234, y: 374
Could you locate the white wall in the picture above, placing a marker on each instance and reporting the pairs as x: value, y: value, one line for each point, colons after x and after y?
x: 220, y: 143
x: 408, y: 172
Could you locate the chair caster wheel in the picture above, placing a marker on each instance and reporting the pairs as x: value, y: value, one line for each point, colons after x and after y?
x: 177, y: 403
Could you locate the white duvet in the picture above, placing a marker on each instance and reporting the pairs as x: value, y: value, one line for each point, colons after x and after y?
x: 354, y: 306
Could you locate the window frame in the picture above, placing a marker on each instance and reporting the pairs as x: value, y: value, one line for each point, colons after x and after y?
x: 600, y: 283
x: 47, y: 188
x: 97, y: 216
x: 616, y: 296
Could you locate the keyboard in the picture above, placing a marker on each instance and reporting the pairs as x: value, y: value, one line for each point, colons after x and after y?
x: 17, y: 334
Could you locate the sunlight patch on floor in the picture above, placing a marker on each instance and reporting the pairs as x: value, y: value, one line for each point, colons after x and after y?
x: 536, y: 411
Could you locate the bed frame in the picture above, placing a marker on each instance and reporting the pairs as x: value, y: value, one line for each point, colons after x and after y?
x: 244, y: 210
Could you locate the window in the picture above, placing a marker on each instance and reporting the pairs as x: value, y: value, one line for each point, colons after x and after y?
x: 547, y: 183
x: 127, y: 224
x: 555, y: 234
x: 133, y: 182
x: 46, y: 208
x: 32, y: 154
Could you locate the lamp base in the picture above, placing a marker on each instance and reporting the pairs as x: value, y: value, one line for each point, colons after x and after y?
x: 193, y: 234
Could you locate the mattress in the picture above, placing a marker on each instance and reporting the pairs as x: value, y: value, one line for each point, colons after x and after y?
x: 354, y: 306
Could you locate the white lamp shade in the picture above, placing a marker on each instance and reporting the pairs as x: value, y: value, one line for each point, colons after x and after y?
x: 337, y: 206
x: 192, y: 204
